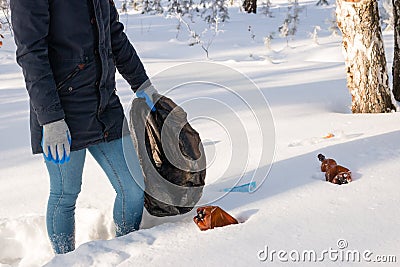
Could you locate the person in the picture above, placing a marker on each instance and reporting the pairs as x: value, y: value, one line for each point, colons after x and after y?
x: 69, y: 52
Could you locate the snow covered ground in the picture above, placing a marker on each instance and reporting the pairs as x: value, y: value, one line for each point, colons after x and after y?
x: 294, y: 210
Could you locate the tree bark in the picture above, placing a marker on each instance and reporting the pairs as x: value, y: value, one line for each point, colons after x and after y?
x: 396, y: 57
x: 322, y: 3
x: 367, y: 76
x: 250, y: 6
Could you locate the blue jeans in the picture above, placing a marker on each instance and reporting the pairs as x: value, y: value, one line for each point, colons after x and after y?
x: 65, y: 185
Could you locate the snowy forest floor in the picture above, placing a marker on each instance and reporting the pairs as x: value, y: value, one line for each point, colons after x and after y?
x: 303, y: 80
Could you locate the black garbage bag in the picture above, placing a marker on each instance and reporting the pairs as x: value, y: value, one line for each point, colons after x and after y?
x: 171, y: 155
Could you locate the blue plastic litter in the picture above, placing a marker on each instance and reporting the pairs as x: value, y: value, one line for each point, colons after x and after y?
x: 241, y: 188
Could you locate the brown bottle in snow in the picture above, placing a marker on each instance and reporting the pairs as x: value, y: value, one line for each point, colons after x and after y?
x: 334, y: 173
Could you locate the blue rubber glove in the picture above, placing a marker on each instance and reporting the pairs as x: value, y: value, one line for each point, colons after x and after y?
x: 147, y: 94
x: 56, y: 142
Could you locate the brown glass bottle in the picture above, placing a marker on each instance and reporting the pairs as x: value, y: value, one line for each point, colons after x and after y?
x: 334, y: 173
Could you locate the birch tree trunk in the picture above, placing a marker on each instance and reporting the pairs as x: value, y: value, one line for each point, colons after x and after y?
x: 396, y: 57
x: 250, y: 6
x: 367, y: 76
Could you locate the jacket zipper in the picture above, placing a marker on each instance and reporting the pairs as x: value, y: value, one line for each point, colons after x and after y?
x: 71, y: 75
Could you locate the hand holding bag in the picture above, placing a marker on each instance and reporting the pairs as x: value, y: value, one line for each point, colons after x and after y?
x: 171, y: 155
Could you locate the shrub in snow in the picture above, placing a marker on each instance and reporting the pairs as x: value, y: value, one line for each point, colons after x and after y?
x: 314, y: 34
x: 145, y: 6
x: 152, y: 7
x: 252, y: 35
x: 183, y: 7
x: 265, y: 8
x: 214, y: 11
x: 267, y: 40
x: 204, y: 39
x: 135, y: 4
x: 289, y: 25
x: 332, y: 24
x: 5, y: 20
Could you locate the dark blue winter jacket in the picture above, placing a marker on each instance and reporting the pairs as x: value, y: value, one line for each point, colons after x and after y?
x: 69, y: 50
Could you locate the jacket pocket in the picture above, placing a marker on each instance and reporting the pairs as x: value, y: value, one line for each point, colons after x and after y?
x: 70, y: 76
